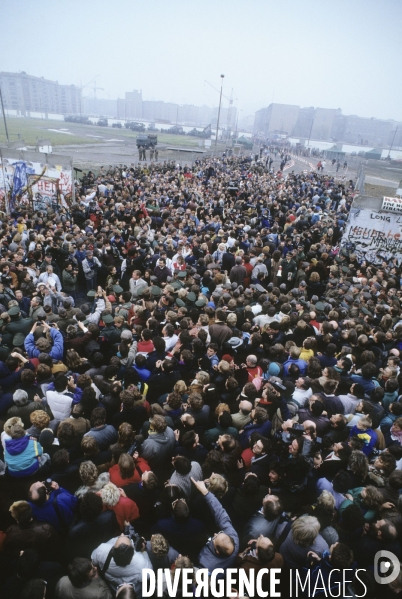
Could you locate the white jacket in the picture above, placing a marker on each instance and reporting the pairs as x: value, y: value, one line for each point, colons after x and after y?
x: 59, y: 403
x: 117, y: 575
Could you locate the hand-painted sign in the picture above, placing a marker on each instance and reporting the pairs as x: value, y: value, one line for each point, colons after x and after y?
x: 373, y: 236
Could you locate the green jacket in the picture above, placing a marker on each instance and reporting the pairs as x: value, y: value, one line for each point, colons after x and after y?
x: 370, y: 515
x: 68, y: 280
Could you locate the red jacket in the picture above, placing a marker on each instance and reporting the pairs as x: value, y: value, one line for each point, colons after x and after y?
x: 140, y: 466
x: 125, y: 509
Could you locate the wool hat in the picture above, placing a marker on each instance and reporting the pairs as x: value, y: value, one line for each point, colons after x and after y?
x: 126, y: 334
x: 46, y: 438
x: 227, y: 358
x: 273, y: 369
x: 20, y: 397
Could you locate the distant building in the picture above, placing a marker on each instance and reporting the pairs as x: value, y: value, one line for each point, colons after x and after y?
x: 99, y: 106
x: 365, y: 131
x: 304, y: 123
x: 323, y: 123
x: 276, y: 118
x: 131, y: 106
x: 26, y: 93
x: 326, y: 124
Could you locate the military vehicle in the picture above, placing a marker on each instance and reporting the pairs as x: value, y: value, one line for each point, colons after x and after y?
x: 146, y: 141
x: 176, y: 130
x: 102, y: 122
x: 117, y: 125
x: 245, y: 142
x: 76, y: 118
x: 135, y: 126
x: 204, y: 134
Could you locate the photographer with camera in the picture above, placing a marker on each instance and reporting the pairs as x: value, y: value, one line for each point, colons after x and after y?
x: 122, y: 559
x: 52, y: 504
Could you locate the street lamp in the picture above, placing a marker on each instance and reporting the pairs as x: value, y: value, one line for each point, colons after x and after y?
x: 219, y: 113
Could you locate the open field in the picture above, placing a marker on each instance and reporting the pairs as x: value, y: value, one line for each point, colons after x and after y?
x: 30, y: 130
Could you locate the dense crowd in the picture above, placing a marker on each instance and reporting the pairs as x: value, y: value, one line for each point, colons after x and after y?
x: 195, y: 373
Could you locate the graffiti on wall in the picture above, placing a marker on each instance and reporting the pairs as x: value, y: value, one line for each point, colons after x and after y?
x: 34, y: 184
x: 373, y: 236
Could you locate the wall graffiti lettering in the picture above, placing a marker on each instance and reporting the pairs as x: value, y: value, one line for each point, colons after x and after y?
x: 27, y: 182
x: 374, y: 237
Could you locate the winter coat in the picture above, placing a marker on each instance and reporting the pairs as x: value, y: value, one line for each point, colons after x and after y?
x: 22, y: 456
x: 116, y: 575
x: 158, y: 448
x: 59, y: 403
x: 59, y: 518
x: 56, y: 353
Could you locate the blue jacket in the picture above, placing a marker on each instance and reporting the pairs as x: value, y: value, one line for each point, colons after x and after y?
x: 56, y: 353
x: 300, y: 363
x: 264, y: 429
x: 367, y: 384
x: 208, y: 558
x: 369, y: 437
x: 60, y: 518
x: 22, y: 456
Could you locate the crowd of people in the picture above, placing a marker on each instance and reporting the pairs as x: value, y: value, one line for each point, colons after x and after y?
x: 195, y: 373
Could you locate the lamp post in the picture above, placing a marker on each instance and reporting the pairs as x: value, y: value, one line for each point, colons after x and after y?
x: 219, y: 113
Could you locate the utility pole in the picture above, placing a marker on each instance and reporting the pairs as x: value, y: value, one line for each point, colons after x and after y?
x: 392, y: 144
x: 4, y: 115
x: 219, y: 113
x: 311, y: 129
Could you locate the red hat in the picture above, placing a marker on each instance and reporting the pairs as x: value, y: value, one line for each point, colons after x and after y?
x: 227, y: 358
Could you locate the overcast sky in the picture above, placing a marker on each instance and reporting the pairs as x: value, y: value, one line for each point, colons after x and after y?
x: 334, y: 54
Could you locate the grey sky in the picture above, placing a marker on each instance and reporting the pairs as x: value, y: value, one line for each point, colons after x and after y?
x: 334, y: 54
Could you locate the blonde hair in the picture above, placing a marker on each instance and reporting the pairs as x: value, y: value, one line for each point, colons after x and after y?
x: 218, y: 485
x: 159, y: 545
x: 110, y: 495
x: 223, y: 366
x: 88, y: 473
x: 180, y: 387
x: 202, y: 377
x: 326, y: 500
x: 12, y: 422
x: 231, y: 319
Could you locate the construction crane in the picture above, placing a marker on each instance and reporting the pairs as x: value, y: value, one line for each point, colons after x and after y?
x: 230, y: 111
x: 95, y: 88
x: 93, y: 79
x: 86, y: 85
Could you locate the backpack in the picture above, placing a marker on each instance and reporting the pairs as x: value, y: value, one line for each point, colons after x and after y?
x: 258, y: 381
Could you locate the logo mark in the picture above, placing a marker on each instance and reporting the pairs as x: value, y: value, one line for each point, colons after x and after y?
x: 386, y: 567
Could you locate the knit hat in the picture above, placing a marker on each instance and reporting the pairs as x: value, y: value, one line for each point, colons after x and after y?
x: 273, y: 369
x: 127, y: 335
x: 46, y: 438
x: 227, y: 358
x: 20, y: 397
